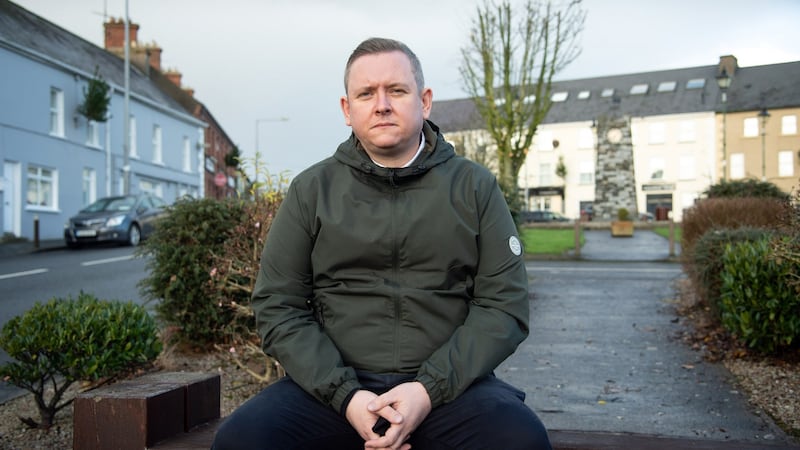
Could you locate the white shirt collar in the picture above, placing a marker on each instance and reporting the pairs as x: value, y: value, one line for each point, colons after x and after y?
x: 419, y: 150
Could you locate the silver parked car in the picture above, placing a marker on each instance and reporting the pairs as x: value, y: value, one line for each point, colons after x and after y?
x: 125, y: 219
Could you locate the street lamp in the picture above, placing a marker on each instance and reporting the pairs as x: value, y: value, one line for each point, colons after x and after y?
x: 724, y: 82
x: 763, y: 115
x: 259, y: 121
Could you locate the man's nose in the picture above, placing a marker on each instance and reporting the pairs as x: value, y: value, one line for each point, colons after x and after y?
x: 382, y: 103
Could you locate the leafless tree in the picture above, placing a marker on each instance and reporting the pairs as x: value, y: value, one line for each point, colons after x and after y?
x: 508, y: 68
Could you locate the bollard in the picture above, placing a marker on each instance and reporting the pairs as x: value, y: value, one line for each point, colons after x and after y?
x: 671, y: 238
x: 577, y: 238
x: 36, y: 231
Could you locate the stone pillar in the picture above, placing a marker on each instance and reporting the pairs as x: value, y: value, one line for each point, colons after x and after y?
x: 615, y: 181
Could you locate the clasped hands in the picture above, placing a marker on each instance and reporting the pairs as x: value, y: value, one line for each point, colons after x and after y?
x: 405, y: 407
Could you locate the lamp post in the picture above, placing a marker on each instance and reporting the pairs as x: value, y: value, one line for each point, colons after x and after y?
x: 763, y: 115
x: 259, y: 121
x: 724, y: 82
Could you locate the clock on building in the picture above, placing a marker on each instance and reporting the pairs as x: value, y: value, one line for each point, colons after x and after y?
x: 614, y: 135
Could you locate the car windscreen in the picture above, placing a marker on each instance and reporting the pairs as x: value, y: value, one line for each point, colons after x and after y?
x: 111, y: 204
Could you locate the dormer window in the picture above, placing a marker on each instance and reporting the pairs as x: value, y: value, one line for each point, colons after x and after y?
x: 695, y: 83
x: 560, y: 96
x: 639, y: 89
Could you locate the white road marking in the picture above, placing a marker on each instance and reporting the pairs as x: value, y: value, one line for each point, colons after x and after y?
x: 107, y: 260
x: 23, y: 274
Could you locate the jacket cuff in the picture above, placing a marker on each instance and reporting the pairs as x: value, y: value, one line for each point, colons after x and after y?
x: 434, y: 392
x: 343, y: 395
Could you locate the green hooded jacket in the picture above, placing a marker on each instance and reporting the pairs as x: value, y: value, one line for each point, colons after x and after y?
x: 417, y: 270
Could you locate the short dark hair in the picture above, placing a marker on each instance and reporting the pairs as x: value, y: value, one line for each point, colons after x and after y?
x: 372, y: 46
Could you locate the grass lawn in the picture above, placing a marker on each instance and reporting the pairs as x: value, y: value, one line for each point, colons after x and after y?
x: 540, y: 241
x: 664, y: 231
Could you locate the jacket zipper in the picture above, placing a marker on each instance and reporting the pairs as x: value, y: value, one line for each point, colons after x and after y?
x: 395, y: 264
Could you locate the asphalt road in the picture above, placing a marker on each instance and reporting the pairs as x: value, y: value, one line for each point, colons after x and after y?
x: 109, y: 273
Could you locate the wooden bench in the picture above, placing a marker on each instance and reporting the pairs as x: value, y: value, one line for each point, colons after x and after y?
x: 181, y: 411
x: 139, y: 413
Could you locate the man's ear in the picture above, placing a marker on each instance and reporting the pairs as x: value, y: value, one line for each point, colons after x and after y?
x: 427, y: 102
x: 345, y: 105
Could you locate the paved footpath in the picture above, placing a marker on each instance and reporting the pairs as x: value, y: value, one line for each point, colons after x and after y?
x: 605, y: 357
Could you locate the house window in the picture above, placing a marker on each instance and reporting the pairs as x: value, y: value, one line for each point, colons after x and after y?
x: 56, y: 112
x: 639, y: 89
x: 187, y: 155
x: 695, y: 83
x: 544, y: 140
x: 751, y: 127
x: 92, y: 134
x: 686, y: 167
x: 686, y: 131
x: 545, y: 174
x: 89, y: 186
x: 586, y: 172
x: 789, y: 124
x: 666, y: 86
x: 41, y: 187
x: 786, y: 163
x: 585, y: 138
x: 657, y: 168
x: 151, y: 187
x: 657, y: 133
x: 737, y: 166
x: 157, y: 144
x: 560, y: 96
x: 134, y: 153
x: 583, y: 95
x: 607, y: 92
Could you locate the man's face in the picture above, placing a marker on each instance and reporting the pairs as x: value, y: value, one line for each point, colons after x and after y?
x: 384, y: 107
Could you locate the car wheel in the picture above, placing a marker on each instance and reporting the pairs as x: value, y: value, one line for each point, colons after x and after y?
x: 134, y: 235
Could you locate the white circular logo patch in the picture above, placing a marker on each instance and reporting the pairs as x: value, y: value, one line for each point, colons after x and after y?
x: 515, y: 245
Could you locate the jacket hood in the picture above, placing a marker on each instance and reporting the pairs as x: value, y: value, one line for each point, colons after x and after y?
x: 435, y: 152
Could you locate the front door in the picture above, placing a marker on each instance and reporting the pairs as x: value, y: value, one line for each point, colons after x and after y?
x: 11, y: 199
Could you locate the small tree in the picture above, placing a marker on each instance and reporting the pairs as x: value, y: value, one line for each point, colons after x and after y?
x: 96, y: 99
x: 508, y: 67
x: 64, y: 340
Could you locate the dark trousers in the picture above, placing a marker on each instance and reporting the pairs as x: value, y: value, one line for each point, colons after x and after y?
x: 491, y: 414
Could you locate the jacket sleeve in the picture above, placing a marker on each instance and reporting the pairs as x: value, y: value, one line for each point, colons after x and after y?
x: 281, y: 299
x: 498, y: 317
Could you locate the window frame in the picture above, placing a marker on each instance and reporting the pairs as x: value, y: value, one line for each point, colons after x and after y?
x: 56, y: 112
x: 41, y: 180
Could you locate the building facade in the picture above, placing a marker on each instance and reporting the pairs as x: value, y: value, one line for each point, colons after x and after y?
x: 53, y: 160
x: 220, y: 179
x: 676, y: 133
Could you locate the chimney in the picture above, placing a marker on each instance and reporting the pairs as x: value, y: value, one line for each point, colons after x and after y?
x: 174, y: 76
x: 154, y: 56
x: 727, y: 64
x: 115, y: 33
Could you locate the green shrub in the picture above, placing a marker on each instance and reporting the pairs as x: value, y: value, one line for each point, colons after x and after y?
x: 235, y: 268
x: 745, y: 188
x: 623, y: 215
x: 233, y: 276
x: 64, y: 340
x: 180, y: 255
x: 756, y: 302
x: 707, y: 260
x: 718, y: 213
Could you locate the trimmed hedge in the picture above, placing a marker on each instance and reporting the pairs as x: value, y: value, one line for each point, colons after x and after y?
x: 180, y: 255
x: 757, y: 302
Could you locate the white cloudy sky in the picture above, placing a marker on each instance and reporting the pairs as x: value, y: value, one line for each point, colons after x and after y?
x: 265, y: 59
